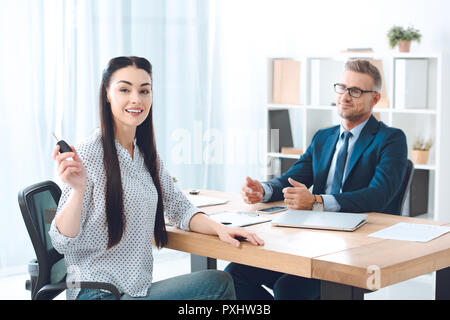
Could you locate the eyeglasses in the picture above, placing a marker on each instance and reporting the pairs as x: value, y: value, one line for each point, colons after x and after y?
x: 353, y: 92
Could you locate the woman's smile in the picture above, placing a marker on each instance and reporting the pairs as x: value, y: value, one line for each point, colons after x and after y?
x: 134, y: 112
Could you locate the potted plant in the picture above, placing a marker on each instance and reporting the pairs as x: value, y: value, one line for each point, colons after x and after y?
x: 401, y: 37
x: 421, y: 150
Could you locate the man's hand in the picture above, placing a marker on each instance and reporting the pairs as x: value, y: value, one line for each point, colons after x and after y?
x: 298, y: 197
x: 252, y: 191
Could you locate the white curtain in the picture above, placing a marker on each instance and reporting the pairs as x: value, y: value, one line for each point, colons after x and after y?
x: 51, y: 59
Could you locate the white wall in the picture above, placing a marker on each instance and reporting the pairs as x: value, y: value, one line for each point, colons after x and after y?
x: 327, y: 25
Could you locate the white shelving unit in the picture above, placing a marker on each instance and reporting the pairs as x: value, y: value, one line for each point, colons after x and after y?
x: 311, y: 114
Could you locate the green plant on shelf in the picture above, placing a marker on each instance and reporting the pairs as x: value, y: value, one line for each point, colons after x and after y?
x: 421, y: 144
x: 397, y: 34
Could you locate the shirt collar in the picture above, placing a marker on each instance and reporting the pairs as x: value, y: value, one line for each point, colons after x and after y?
x: 356, y: 131
x: 118, y: 143
x: 121, y: 150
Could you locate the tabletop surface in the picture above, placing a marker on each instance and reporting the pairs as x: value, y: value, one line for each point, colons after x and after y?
x: 350, y: 258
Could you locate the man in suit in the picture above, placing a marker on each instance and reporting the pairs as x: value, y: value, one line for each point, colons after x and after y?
x: 358, y: 166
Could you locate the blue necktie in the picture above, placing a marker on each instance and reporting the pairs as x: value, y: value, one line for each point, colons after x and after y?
x: 340, y: 164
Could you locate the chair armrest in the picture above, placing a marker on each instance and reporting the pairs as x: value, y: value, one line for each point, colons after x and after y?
x: 33, y: 271
x: 83, y: 285
x: 101, y: 285
x: 42, y: 294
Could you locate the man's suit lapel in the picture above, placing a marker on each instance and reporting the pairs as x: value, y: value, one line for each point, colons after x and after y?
x: 325, y: 160
x: 365, y: 138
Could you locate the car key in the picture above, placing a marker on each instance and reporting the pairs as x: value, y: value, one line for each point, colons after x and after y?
x: 63, y: 146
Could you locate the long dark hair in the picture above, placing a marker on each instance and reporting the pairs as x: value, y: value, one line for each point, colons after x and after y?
x: 145, y: 140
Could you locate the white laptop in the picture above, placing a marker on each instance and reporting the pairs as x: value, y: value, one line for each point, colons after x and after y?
x: 320, y: 220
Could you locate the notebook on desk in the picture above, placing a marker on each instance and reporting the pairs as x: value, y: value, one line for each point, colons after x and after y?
x: 238, y: 219
x: 320, y: 220
x: 204, y: 201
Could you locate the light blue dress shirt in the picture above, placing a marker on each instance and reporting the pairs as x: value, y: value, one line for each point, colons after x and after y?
x: 329, y: 201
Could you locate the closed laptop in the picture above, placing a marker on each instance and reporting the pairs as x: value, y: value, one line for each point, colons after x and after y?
x: 320, y: 220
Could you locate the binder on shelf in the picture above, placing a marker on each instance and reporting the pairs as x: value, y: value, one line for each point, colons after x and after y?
x: 418, y: 192
x: 286, y: 81
x: 411, y: 83
x: 279, y: 120
x: 384, y: 101
x: 324, y: 73
x: 288, y: 150
x: 357, y: 50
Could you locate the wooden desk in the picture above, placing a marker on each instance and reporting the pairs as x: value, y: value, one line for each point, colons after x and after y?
x: 348, y: 263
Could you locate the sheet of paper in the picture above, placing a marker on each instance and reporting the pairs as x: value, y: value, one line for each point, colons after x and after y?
x: 411, y: 232
x: 238, y: 219
x: 203, y: 201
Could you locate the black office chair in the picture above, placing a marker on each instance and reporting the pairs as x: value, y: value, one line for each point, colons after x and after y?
x: 38, y: 204
x: 406, y: 184
x: 398, y: 202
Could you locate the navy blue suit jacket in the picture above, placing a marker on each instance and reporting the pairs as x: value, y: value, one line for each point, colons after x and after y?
x: 376, y: 169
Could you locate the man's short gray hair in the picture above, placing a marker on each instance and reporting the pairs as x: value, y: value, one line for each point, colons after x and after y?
x: 364, y: 66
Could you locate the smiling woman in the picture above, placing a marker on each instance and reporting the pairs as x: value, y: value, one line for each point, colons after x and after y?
x: 117, y: 94
x: 117, y: 179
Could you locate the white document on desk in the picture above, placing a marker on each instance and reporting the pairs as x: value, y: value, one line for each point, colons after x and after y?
x: 238, y: 219
x: 203, y: 201
x: 411, y: 232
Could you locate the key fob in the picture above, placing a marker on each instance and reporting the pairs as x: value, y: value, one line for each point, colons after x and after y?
x: 63, y: 146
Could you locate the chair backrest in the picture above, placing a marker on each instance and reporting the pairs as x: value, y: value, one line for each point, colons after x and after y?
x: 397, y: 203
x: 406, y: 184
x: 403, y: 192
x: 38, y: 204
